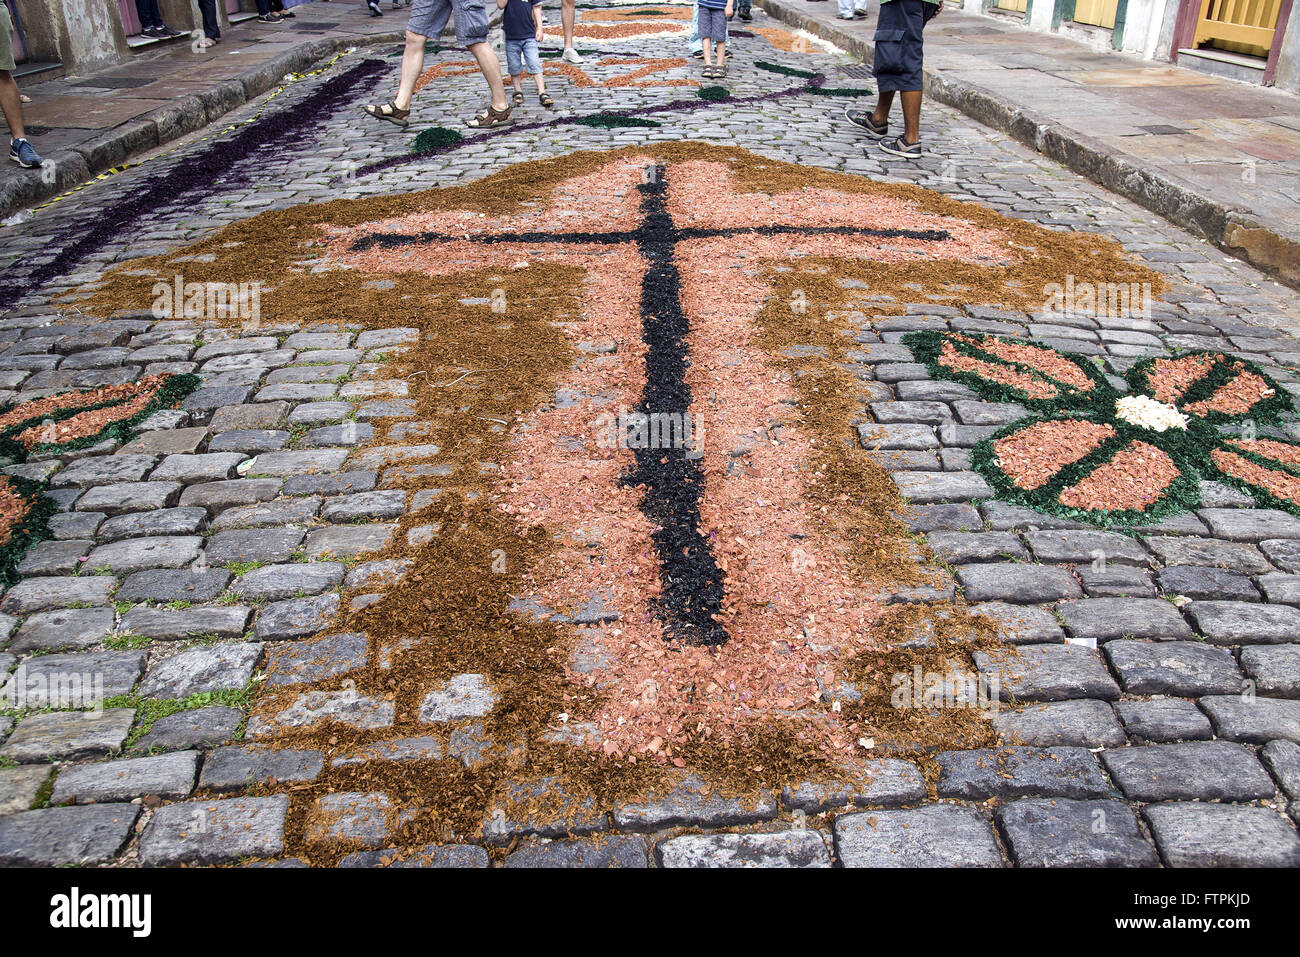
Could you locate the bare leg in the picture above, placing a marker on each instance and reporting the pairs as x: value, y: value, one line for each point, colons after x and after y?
x: 541, y: 83
x: 911, y: 116
x: 722, y: 53
x: 708, y: 51
x: 412, y: 67
x: 517, y: 83
x: 568, y: 13
x: 12, y: 105
x: 884, y: 102
x: 491, y: 68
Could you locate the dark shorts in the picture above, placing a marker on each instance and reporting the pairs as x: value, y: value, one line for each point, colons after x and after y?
x: 898, y: 40
x: 429, y: 18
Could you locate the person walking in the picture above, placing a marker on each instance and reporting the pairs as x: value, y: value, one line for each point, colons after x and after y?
x: 428, y: 19
x: 897, y: 69
x: 20, y: 151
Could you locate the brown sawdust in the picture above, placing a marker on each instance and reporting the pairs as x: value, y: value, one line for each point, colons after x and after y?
x: 447, y: 615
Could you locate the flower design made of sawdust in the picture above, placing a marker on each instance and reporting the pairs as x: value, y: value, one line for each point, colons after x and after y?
x: 1095, y: 453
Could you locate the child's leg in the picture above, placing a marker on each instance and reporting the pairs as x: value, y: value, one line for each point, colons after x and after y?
x: 541, y: 84
x: 708, y: 50
x: 516, y: 81
x: 722, y: 53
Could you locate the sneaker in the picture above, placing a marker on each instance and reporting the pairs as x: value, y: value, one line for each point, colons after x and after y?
x: 168, y: 32
x: 896, y: 147
x: 570, y: 55
x: 152, y: 33
x: 698, y: 54
x: 269, y: 18
x: 745, y: 15
x: 287, y: 15
x: 374, y: 8
x: 21, y: 152
x: 862, y: 118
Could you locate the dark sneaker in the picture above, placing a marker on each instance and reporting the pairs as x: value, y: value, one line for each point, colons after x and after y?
x: 269, y: 18
x: 374, y: 8
x: 152, y: 33
x: 168, y: 32
x: 896, y: 147
x: 862, y: 119
x: 21, y: 152
x: 745, y: 15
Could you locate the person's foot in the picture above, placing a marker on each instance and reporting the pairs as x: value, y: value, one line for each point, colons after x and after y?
x: 152, y: 33
x: 698, y: 54
x: 374, y: 8
x: 898, y: 147
x: 864, y: 120
x: 268, y: 18
x: 288, y: 15
x: 21, y: 152
x: 397, y: 4
x: 570, y: 55
x: 841, y: 16
x: 745, y: 15
x: 168, y: 32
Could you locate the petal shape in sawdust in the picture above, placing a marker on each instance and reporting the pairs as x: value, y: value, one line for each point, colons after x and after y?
x: 1269, y: 469
x: 1211, y: 386
x: 1103, y: 473
x: 1011, y: 370
x: 24, y: 518
x: 75, y: 420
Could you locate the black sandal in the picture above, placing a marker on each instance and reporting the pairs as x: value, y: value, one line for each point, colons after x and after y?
x: 489, y: 118
x: 518, y: 97
x: 389, y: 111
x: 546, y: 101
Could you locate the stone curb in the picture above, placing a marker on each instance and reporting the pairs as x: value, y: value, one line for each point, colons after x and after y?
x: 171, y: 121
x: 1233, y: 230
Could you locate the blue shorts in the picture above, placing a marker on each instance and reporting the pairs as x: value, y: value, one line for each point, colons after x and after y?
x: 522, y: 57
x: 899, y: 27
x: 429, y: 18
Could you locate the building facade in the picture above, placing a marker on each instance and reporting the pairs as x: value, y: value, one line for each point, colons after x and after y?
x: 1257, y: 41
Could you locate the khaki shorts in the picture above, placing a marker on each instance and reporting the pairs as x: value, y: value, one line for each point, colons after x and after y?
x: 6, y: 39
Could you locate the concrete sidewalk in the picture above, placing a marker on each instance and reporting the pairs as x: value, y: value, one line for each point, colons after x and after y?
x: 83, y: 125
x: 1218, y: 157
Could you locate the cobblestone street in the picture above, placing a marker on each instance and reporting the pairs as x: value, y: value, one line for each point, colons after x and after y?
x: 371, y: 591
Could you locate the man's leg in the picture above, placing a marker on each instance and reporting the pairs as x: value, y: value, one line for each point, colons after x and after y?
x: 491, y: 69
x: 884, y: 102
x: 12, y: 105
x: 412, y: 67
x: 569, y: 13
x: 911, y: 116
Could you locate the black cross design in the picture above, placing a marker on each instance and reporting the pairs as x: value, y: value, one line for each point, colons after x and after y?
x: 691, y: 602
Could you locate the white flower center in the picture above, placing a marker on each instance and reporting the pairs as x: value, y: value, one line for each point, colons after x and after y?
x: 1144, y: 411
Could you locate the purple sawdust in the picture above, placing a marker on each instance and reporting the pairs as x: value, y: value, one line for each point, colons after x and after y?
x: 226, y: 163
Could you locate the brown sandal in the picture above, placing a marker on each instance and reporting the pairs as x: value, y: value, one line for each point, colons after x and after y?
x: 389, y: 111
x: 518, y: 98
x: 489, y: 118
